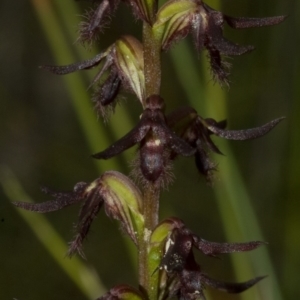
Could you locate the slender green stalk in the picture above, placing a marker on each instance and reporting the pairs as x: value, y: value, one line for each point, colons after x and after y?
x: 152, y: 67
x: 151, y: 207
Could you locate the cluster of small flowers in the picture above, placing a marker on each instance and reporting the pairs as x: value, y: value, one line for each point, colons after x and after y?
x: 160, y: 137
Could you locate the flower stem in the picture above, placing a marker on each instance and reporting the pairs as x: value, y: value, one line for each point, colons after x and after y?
x: 152, y: 67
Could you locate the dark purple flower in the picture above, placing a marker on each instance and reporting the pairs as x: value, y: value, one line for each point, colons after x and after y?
x: 186, y: 279
x: 123, y: 61
x: 155, y: 140
x: 206, y: 25
x: 123, y: 204
x: 197, y: 131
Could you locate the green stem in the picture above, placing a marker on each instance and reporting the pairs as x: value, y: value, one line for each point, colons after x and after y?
x: 151, y: 207
x: 152, y: 67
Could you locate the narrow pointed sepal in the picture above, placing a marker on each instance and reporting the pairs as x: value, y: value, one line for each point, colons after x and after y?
x: 93, y: 201
x: 61, y: 199
x: 130, y: 139
x: 240, y: 135
x: 84, y: 65
x: 230, y: 287
x: 95, y: 21
x: 213, y: 248
x: 241, y: 23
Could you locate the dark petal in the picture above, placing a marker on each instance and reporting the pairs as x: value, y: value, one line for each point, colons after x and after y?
x: 219, y: 68
x: 108, y: 62
x: 61, y: 200
x: 191, y: 284
x: 105, y: 96
x: 228, y: 286
x: 180, y: 121
x: 203, y: 137
x: 62, y: 70
x: 199, y: 31
x: 178, y: 249
x: 212, y: 248
x: 211, y: 145
x: 95, y: 20
x: 216, y: 39
x: 78, y: 189
x: 175, y: 143
x: 87, y: 214
x: 110, y: 89
x: 240, y: 23
x: 47, y: 206
x: 105, y: 111
x: 204, y: 165
x: 179, y: 146
x: 246, y: 134
x: 221, y: 124
x: 127, y: 141
x: 180, y: 115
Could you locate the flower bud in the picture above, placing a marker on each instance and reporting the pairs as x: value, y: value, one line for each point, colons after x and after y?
x: 123, y: 201
x: 130, y: 62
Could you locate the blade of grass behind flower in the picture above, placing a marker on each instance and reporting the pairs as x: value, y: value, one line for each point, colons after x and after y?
x: 84, y: 277
x: 237, y: 213
x: 232, y: 191
x: 95, y: 133
x: 234, y: 188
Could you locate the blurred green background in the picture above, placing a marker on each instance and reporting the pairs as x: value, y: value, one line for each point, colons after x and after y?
x: 48, y: 130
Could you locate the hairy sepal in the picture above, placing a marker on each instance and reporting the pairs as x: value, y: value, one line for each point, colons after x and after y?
x: 84, y: 65
x: 241, y: 135
x: 241, y: 23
